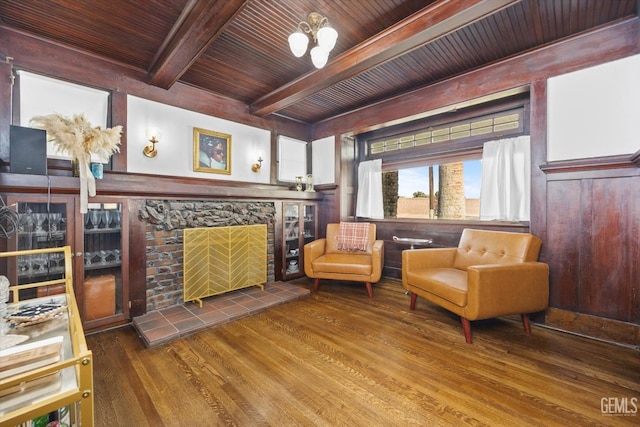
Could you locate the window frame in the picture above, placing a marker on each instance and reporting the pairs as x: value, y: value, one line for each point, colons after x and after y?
x: 450, y: 151
x: 56, y: 162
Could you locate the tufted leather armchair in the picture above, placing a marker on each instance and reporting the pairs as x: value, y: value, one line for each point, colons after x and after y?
x: 323, y: 260
x: 489, y: 274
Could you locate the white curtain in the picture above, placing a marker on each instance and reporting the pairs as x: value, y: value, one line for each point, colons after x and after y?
x: 506, y: 179
x: 369, y: 197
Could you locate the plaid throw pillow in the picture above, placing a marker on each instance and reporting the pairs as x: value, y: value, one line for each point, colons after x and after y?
x: 353, y: 236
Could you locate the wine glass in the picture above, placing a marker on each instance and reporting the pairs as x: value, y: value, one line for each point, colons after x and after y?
x: 39, y: 218
x: 55, y: 259
x: 103, y: 256
x: 94, y: 217
x: 38, y: 263
x: 54, y: 221
x: 107, y: 218
x: 116, y: 219
x: 24, y: 265
x: 116, y: 254
x: 23, y: 220
x: 87, y: 258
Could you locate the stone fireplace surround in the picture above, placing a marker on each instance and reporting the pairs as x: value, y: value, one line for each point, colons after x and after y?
x: 165, y: 220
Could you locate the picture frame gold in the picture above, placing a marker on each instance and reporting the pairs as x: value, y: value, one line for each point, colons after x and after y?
x: 211, y: 151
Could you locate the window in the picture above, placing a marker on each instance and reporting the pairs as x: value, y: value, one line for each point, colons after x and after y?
x: 292, y: 159
x: 434, y: 171
x: 476, y: 129
x: 419, y: 191
x: 40, y: 95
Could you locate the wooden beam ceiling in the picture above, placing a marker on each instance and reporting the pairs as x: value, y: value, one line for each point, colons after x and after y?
x: 199, y: 24
x: 429, y: 24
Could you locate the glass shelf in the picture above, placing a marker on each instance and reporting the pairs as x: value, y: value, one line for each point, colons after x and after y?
x: 102, y: 231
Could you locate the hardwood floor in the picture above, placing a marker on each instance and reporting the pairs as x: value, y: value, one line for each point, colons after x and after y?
x: 339, y: 358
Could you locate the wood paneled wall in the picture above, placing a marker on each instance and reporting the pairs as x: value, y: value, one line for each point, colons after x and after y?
x: 593, y: 229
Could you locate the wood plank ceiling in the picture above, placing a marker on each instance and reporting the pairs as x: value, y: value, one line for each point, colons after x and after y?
x: 238, y: 48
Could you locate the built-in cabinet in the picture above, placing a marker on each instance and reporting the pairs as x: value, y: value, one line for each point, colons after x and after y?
x: 99, y: 242
x: 300, y: 226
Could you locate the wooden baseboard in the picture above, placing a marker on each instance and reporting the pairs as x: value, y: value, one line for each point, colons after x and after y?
x: 593, y: 326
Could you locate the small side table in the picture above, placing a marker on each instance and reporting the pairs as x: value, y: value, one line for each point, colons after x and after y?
x: 413, y: 242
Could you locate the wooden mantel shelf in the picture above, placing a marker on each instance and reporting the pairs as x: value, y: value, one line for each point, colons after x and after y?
x: 126, y: 184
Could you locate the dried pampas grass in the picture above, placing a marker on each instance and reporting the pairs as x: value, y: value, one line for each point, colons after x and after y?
x: 76, y: 137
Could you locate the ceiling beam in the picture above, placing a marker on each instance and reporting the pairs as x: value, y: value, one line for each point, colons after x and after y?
x: 424, y: 26
x: 200, y: 22
x: 586, y: 49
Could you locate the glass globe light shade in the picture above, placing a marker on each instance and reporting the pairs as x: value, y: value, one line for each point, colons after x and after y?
x: 327, y: 37
x: 319, y: 56
x: 298, y: 42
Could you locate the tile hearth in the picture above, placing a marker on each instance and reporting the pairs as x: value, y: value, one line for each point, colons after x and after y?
x: 161, y: 326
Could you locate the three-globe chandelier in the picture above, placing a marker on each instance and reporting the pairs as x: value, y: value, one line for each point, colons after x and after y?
x: 324, y: 38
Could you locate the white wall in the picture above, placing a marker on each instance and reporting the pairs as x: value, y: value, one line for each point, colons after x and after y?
x: 594, y: 112
x: 323, y: 160
x: 175, y: 149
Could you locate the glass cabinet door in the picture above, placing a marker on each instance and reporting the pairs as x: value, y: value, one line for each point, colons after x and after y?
x: 99, y: 245
x: 103, y: 290
x: 309, y: 223
x: 300, y: 228
x: 292, y: 232
x: 40, y: 225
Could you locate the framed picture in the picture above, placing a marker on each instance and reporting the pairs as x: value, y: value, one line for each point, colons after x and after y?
x: 211, y: 151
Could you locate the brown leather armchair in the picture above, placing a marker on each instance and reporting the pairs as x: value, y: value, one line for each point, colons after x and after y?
x: 489, y: 274
x: 326, y: 259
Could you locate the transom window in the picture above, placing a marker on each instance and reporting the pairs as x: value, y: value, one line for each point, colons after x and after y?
x: 481, y: 128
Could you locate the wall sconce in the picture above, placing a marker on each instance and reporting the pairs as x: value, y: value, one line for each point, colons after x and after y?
x: 150, y: 150
x: 256, y: 166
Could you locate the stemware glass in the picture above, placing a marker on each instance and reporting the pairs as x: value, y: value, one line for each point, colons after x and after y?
x: 106, y: 215
x: 39, y: 218
x: 116, y: 254
x: 116, y: 219
x: 54, y: 221
x: 103, y: 256
x: 55, y: 260
x: 38, y: 263
x: 87, y: 258
x: 22, y: 222
x: 94, y: 217
x: 24, y: 265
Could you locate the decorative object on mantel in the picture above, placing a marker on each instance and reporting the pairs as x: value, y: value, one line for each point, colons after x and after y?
x: 76, y: 137
x: 309, y: 184
x: 298, y: 183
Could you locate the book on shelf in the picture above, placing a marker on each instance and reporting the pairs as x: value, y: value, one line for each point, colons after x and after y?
x: 25, y: 357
